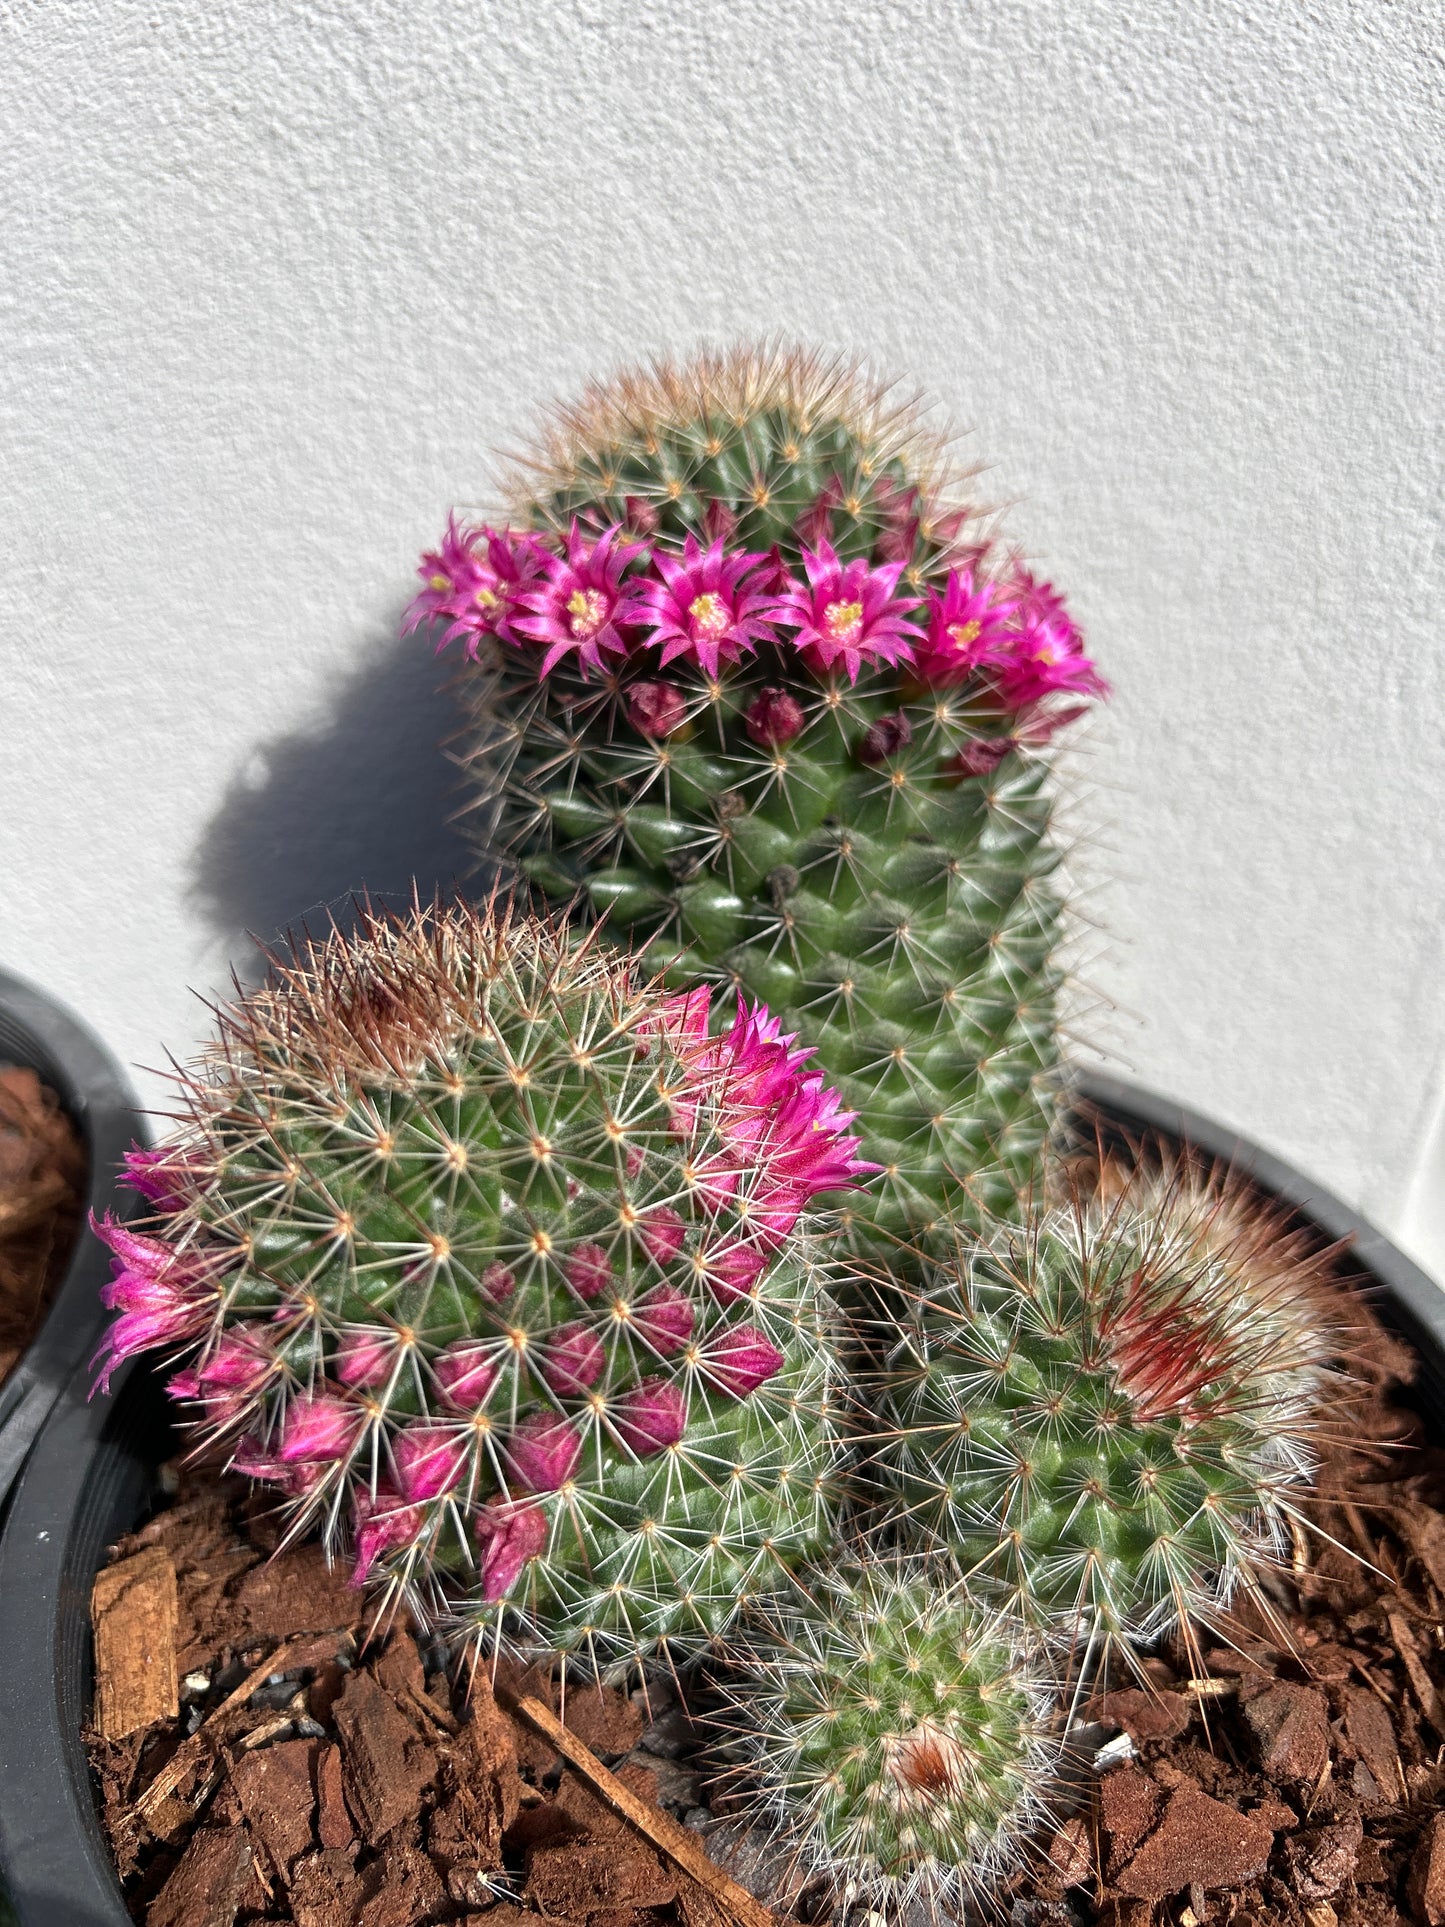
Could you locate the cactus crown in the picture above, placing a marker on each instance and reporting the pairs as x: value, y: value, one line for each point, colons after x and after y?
x: 488, y: 1247
x: 894, y: 1730
x: 1104, y: 1416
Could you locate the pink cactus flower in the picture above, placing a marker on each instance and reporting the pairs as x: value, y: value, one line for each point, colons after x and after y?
x: 741, y: 1360
x: 318, y: 1427
x: 1045, y: 654
x: 382, y: 1522
x: 664, y: 1318
x: 969, y: 626
x: 498, y: 1283
x: 161, y: 1296
x: 649, y: 1418
x: 507, y: 1537
x: 656, y: 709
x: 364, y: 1356
x: 430, y: 1460
x: 588, y: 1271
x: 476, y: 581
x: 774, y: 718
x: 710, y: 607
x: 164, y: 1178
x: 663, y: 1234
x: 848, y: 613
x: 183, y: 1384
x: 583, y: 604
x: 465, y: 1373
x: 572, y: 1360
x: 544, y: 1451
x: 733, y: 1271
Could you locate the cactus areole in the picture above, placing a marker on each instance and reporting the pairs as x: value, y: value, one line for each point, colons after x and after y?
x: 753, y: 679
x: 490, y: 1257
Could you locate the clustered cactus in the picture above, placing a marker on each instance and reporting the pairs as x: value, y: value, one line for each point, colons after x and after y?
x: 500, y: 1257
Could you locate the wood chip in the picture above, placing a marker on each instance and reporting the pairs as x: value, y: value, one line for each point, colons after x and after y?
x: 669, y: 1836
x: 1420, y: 1681
x: 133, y: 1614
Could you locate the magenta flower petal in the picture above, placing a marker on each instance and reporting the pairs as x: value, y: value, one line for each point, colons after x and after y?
x: 572, y: 1360
x: 664, y: 1317
x: 430, y: 1459
x: 476, y: 582
x: 848, y: 613
x: 382, y: 1522
x: 465, y: 1373
x: 581, y: 605
x: 317, y: 1428
x: 649, y: 1418
x: 741, y: 1360
x: 162, y: 1177
x: 588, y: 1271
x: 710, y: 607
x: 544, y: 1451
x: 969, y: 624
x: 507, y: 1537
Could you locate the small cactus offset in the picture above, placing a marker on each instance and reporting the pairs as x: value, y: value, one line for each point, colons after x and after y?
x: 1106, y: 1416
x: 490, y: 1256
x: 896, y: 1733
x: 754, y: 679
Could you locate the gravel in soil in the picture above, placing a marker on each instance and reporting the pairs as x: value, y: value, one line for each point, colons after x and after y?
x: 42, y: 1192
x: 282, y: 1762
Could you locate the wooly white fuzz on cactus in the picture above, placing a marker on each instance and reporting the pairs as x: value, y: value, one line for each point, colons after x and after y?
x: 1106, y: 1416
x: 492, y: 1256
x: 896, y: 1731
x: 755, y: 680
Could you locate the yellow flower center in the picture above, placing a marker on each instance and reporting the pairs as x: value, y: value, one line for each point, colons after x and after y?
x: 843, y: 621
x: 964, y: 633
x: 588, y: 611
x: 440, y: 582
x: 709, y: 614
x: 489, y: 599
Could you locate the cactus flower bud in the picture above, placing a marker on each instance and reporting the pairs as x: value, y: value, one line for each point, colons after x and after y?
x: 544, y: 1451
x: 589, y: 1271
x: 657, y: 709
x: 664, y: 1317
x: 572, y: 1360
x: 649, y: 1418
x: 430, y: 1460
x: 465, y: 1372
x: 507, y: 1537
x: 774, y: 718
x: 741, y: 1360
x: 318, y: 1428
x: 365, y: 1357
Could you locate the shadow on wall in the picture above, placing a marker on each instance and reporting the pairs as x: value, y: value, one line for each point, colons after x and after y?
x: 357, y: 804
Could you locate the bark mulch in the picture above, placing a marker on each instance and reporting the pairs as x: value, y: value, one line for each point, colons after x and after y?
x: 42, y: 1194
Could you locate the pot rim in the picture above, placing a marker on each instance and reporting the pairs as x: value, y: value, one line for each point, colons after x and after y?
x: 90, y: 1470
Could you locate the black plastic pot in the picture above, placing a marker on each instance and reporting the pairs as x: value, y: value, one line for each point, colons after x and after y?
x: 92, y: 1088
x: 92, y: 1478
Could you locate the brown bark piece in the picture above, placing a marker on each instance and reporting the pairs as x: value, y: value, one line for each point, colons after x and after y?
x: 583, y: 1876
x: 1155, y: 1715
x: 591, y: 1813
x: 1129, y: 1804
x: 1198, y: 1839
x: 1371, y: 1732
x: 274, y: 1786
x: 1292, y: 1726
x: 293, y: 1593
x: 387, y: 1767
x: 485, y: 1752
x: 1426, y: 1884
x: 206, y: 1887
x: 1070, y: 1854
x: 324, y: 1889
x: 401, y: 1889
x: 333, y: 1822
x: 133, y: 1613
x: 602, y: 1718
x: 398, y: 1665
x: 1421, y: 1684
x: 1322, y: 1862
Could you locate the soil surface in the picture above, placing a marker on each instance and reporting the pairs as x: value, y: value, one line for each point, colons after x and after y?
x: 42, y: 1194
x: 262, y: 1754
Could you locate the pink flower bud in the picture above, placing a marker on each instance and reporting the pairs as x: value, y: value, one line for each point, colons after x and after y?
x: 507, y: 1537
x: 382, y: 1522
x: 544, y: 1451
x: 239, y: 1363
x: 664, y: 1318
x: 497, y: 1282
x: 982, y: 756
x: 740, y: 1361
x: 465, y: 1372
x: 663, y: 1234
x: 589, y: 1271
x: 429, y: 1461
x: 572, y: 1360
x: 182, y: 1385
x: 158, y: 1176
x: 252, y: 1460
x: 635, y: 1159
x: 364, y: 1357
x: 884, y: 737
x: 774, y: 718
x: 318, y: 1428
x: 656, y: 709
x: 719, y: 521
x: 642, y: 517
x: 650, y: 1417
x: 734, y: 1271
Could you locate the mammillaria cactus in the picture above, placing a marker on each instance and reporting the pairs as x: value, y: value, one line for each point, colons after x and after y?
x: 753, y: 678
x: 895, y: 1730
x: 488, y: 1250
x: 1106, y: 1416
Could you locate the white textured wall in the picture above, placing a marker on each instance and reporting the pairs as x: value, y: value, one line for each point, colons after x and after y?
x: 277, y: 275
